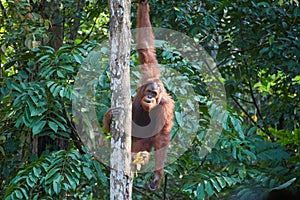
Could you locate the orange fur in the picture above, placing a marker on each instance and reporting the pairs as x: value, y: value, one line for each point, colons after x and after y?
x: 165, y: 107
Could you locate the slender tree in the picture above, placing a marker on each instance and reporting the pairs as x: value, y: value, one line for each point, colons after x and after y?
x: 121, y: 175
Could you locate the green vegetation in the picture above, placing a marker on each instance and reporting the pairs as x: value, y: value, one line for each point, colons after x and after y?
x: 256, y: 48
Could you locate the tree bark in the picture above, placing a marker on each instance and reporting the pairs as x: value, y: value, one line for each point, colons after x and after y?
x: 120, y: 42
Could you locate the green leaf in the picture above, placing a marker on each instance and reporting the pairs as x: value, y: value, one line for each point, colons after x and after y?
x: 53, y: 126
x: 56, y: 187
x: 33, y: 178
x: 221, y: 181
x: 57, y: 160
x: 19, y: 121
x: 16, y: 87
x: 24, y: 193
x: 71, y: 181
x: 59, y: 123
x: 18, y: 178
x: 60, y: 74
x: 249, y: 153
x: 234, y: 151
x: 237, y: 126
x: 2, y: 151
x: 62, y: 92
x: 30, y: 182
x: 66, y: 186
x: 179, y: 119
x: 18, y: 100
x: 78, y: 58
x: 215, y: 184
x: 208, y: 188
x: 285, y: 185
x: 100, y: 173
x: 242, y: 172
x: 189, y: 20
x: 34, y: 110
x: 200, y: 192
x: 52, y: 88
x: 296, y: 12
x: 36, y: 171
x: 76, y: 171
x: 49, y: 83
x: 264, y: 50
x: 48, y: 72
x: 87, y: 172
x: 68, y: 67
x: 30, y: 105
x: 228, y: 180
x: 252, y: 130
x: 231, y: 168
x: 38, y: 127
x: 36, y: 197
x: 19, y: 194
x: 43, y: 58
x: 57, y: 184
x: 26, y: 117
x: 38, y: 111
x: 68, y: 93
x: 52, y: 175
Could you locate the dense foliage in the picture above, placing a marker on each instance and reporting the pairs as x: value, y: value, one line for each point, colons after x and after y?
x: 251, y: 151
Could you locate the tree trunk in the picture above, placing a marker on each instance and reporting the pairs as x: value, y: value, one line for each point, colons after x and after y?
x: 120, y: 41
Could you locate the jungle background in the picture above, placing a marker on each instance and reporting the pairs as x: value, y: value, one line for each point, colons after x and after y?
x: 256, y: 48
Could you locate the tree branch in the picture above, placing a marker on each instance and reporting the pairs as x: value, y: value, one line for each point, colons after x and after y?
x: 241, y: 107
x: 251, y: 89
